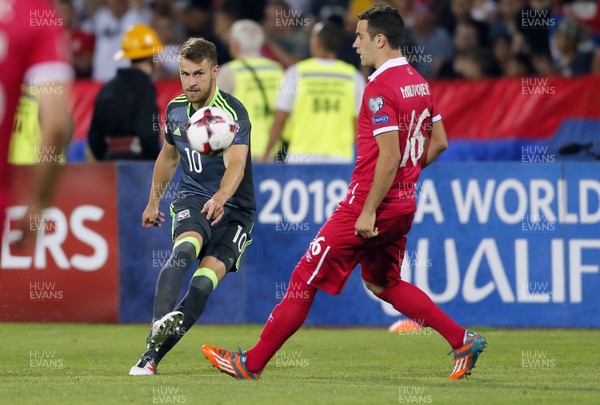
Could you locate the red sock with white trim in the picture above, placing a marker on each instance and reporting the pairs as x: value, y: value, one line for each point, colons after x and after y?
x: 417, y: 305
x: 287, y: 317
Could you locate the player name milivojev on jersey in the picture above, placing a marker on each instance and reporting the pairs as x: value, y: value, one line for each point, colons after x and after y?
x: 393, y: 84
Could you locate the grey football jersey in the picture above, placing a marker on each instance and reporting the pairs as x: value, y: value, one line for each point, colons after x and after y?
x: 202, y: 174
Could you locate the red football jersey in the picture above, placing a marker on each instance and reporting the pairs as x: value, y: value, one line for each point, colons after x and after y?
x: 398, y: 98
x: 33, y: 51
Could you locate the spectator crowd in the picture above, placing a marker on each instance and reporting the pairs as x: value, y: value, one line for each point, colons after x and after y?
x: 446, y: 39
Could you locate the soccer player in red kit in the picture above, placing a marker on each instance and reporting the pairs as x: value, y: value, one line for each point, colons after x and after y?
x: 399, y: 132
x: 33, y: 52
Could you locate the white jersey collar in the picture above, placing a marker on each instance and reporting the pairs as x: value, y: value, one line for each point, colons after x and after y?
x: 390, y: 63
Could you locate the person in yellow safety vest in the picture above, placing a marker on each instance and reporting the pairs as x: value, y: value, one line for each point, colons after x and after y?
x: 253, y: 79
x: 25, y: 142
x: 318, y: 103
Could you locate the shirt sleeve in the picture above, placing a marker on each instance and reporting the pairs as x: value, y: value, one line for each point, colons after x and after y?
x: 287, y: 93
x: 168, y: 130
x: 48, y: 60
x: 243, y: 127
x: 381, y: 109
x: 435, y: 115
x: 97, y: 130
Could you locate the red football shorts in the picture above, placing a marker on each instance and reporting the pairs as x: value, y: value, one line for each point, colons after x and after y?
x: 336, y: 251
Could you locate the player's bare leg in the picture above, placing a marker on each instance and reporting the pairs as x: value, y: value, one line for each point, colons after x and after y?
x: 415, y: 304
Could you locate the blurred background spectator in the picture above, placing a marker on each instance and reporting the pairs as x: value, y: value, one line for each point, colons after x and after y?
x: 109, y: 25
x: 455, y: 12
x: 471, y: 58
x: 85, y: 11
x: 81, y: 43
x: 167, y: 64
x: 468, y: 65
x: 286, y: 33
x: 445, y: 39
x: 484, y: 10
x: 253, y: 79
x: 318, y: 103
x: 574, y: 50
x: 126, y: 121
x: 428, y: 45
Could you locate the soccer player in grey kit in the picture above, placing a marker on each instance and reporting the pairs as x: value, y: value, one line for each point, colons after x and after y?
x: 212, y: 219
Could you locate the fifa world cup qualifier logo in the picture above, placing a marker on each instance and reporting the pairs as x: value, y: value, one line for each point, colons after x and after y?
x: 375, y: 104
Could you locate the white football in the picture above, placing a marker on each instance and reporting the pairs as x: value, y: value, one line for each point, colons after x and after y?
x: 211, y: 131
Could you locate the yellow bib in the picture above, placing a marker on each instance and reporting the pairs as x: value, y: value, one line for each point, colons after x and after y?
x: 27, y: 135
x: 322, y: 119
x: 246, y: 89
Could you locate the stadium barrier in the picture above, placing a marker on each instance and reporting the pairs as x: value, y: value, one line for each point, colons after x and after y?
x: 72, y: 275
x: 495, y: 119
x: 498, y: 244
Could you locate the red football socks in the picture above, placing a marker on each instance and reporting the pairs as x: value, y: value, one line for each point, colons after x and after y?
x: 416, y: 305
x: 287, y: 317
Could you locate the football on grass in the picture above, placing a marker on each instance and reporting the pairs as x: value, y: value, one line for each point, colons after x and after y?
x: 211, y: 131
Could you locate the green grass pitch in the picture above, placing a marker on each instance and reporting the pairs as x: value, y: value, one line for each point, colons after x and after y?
x: 81, y: 364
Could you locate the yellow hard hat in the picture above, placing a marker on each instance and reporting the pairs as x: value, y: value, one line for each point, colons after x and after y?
x: 139, y: 42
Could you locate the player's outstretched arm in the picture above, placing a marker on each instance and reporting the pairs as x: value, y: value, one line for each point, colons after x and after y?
x: 385, y: 171
x: 437, y: 144
x: 164, y: 169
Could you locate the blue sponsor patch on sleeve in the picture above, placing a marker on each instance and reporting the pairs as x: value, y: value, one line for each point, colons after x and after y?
x: 237, y: 139
x: 380, y: 119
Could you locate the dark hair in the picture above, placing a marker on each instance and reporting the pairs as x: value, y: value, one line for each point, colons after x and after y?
x: 385, y: 20
x: 199, y: 49
x: 523, y: 60
x: 331, y: 36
